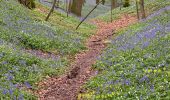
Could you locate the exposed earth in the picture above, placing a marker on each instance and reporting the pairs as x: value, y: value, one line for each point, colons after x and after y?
x: 69, y: 85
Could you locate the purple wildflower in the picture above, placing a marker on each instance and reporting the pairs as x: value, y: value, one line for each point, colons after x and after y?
x: 10, y: 71
x: 10, y: 77
x: 152, y: 88
x: 5, y: 62
x: 10, y: 91
x: 28, y: 85
x: 5, y: 91
x: 22, y: 62
x: 127, y: 82
x: 145, y: 44
x: 21, y: 97
x: 143, y: 79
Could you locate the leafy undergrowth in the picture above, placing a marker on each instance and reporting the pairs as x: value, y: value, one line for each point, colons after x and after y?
x: 19, y: 27
x: 22, y: 29
x: 63, y: 22
x: 20, y: 71
x: 150, y: 7
x: 136, y: 65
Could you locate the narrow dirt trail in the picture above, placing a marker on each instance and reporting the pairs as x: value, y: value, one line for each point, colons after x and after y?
x: 68, y: 86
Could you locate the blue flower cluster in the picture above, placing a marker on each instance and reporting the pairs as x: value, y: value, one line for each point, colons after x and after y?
x: 20, y: 28
x: 19, y: 71
x: 136, y: 65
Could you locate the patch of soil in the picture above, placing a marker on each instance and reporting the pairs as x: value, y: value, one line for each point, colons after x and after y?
x: 68, y: 86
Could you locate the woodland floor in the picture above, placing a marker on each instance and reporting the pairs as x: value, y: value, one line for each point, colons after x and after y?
x: 69, y: 85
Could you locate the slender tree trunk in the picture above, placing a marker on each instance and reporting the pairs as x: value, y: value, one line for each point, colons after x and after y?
x: 52, y: 9
x: 126, y: 3
x: 137, y: 9
x: 114, y: 4
x: 142, y: 8
x: 111, y: 13
x: 67, y: 7
x: 70, y: 4
x: 121, y: 3
x: 58, y: 1
x: 103, y: 2
x: 76, y: 6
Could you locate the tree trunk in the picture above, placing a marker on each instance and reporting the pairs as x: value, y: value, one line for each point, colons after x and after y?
x: 114, y: 4
x: 142, y: 9
x: 97, y: 1
x: 103, y: 2
x: 75, y: 6
x: 52, y: 9
x: 126, y: 3
x: 27, y: 3
x: 137, y: 9
x: 67, y: 7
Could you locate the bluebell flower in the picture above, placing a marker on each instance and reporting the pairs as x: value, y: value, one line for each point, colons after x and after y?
x: 10, y: 77
x: 151, y: 34
x: 152, y: 88
x: 22, y: 62
x: 21, y: 97
x: 28, y: 85
x: 10, y: 91
x: 143, y: 79
x: 145, y: 44
x: 127, y: 82
x: 10, y: 71
x: 4, y: 62
x: 5, y: 91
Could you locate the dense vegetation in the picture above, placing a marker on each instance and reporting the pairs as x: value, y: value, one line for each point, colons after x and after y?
x: 136, y: 64
x: 36, y: 34
x: 21, y: 30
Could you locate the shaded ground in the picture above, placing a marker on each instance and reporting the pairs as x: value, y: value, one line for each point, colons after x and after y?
x: 68, y: 86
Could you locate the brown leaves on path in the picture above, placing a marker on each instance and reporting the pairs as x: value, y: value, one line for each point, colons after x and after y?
x: 68, y: 86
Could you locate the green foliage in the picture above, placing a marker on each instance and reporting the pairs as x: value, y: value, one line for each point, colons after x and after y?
x: 18, y: 67
x: 22, y: 29
x: 19, y: 27
x: 136, y: 65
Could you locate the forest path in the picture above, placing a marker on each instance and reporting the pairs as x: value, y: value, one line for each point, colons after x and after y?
x: 68, y: 86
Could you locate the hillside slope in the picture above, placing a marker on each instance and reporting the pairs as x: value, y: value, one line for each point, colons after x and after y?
x: 32, y: 49
x: 136, y: 65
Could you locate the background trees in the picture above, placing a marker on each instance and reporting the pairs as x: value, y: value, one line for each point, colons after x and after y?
x: 28, y: 3
x: 142, y: 8
x: 75, y: 6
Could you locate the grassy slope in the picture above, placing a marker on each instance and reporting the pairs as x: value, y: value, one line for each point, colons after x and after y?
x: 22, y: 29
x: 136, y: 65
x: 62, y: 39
